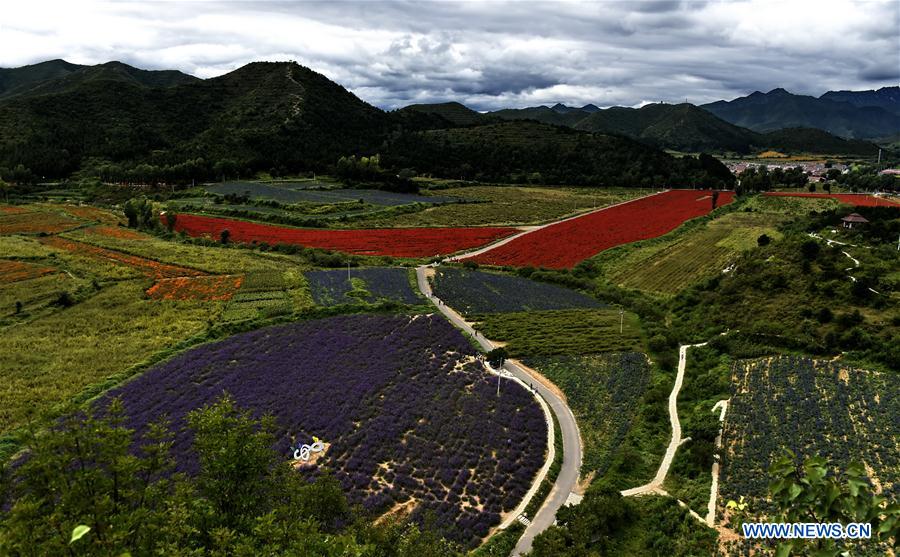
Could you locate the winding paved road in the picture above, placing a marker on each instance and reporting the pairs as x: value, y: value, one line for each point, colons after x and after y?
x: 571, y: 439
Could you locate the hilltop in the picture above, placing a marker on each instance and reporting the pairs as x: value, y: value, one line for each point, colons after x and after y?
x: 780, y: 109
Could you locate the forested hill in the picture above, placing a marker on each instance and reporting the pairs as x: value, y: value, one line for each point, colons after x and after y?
x: 261, y: 115
x: 685, y: 127
x: 58, y: 118
x: 529, y: 151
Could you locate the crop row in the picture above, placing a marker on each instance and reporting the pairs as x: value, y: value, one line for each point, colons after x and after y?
x: 401, y: 242
x: 406, y: 408
x: 36, y: 222
x: 338, y: 286
x: 210, y: 288
x: 566, y: 243
x: 813, y: 408
x: 571, y: 331
x: 14, y: 271
x: 153, y: 269
x: 604, y: 392
x: 484, y: 292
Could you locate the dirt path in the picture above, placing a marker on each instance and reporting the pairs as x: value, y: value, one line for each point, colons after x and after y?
x: 722, y: 406
x: 509, y: 239
x: 655, y: 485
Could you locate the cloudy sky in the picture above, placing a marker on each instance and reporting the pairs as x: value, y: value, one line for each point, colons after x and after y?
x: 487, y: 55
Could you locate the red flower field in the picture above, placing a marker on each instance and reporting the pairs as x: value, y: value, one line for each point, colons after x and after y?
x: 396, y: 242
x: 857, y: 199
x: 564, y: 244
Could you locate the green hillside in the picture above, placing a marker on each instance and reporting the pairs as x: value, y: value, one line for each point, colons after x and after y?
x: 682, y: 126
x: 453, y: 112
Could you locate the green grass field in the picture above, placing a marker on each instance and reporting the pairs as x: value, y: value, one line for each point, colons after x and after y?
x: 680, y: 259
x: 497, y: 205
x: 545, y: 333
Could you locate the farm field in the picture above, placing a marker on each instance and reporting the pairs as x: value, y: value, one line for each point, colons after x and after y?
x: 477, y: 292
x: 858, y: 199
x: 35, y: 222
x: 571, y: 331
x: 503, y: 205
x: 605, y: 392
x: 813, y: 407
x: 565, y: 244
x: 49, y: 360
x: 13, y: 271
x: 404, y: 242
x: 287, y: 194
x: 673, y: 262
x: 418, y: 422
x: 368, y: 284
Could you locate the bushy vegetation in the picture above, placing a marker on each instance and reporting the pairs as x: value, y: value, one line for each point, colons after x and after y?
x: 83, y: 490
x: 606, y: 393
x: 575, y: 331
x: 605, y: 523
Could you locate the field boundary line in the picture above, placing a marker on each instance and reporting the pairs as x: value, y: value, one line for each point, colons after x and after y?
x: 504, y: 241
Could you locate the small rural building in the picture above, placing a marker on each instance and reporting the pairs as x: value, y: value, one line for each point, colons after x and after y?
x: 852, y: 219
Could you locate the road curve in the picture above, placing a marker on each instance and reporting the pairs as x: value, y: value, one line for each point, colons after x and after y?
x: 571, y: 439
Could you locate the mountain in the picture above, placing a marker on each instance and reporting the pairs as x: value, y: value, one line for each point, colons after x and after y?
x: 681, y: 126
x: 887, y: 98
x: 261, y: 114
x: 685, y: 127
x: 57, y: 76
x: 779, y: 109
x: 559, y: 115
x: 453, y: 112
x: 535, y: 152
x: 17, y: 80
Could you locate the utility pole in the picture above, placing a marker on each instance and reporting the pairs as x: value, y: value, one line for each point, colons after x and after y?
x: 621, y: 321
x: 499, y: 372
x: 348, y: 271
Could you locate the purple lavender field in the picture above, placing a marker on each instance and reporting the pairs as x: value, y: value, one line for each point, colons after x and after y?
x: 406, y: 409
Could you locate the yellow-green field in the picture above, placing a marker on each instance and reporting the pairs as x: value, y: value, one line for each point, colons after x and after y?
x: 568, y: 331
x: 668, y: 266
x: 499, y: 205
x: 90, y: 319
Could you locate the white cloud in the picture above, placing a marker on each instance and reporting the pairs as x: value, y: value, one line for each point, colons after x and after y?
x: 487, y: 54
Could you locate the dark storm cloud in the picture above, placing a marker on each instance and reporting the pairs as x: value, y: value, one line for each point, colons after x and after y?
x: 489, y: 55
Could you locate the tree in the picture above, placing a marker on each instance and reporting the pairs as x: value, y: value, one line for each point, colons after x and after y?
x: 5, y: 187
x: 497, y: 357
x: 171, y: 217
x: 715, y: 199
x: 139, y: 212
x: 224, y: 236
x: 812, y: 187
x: 810, y: 249
x: 763, y: 240
x: 811, y: 493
